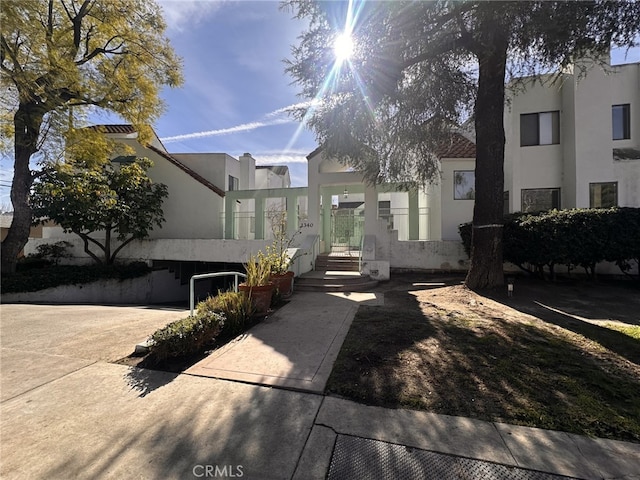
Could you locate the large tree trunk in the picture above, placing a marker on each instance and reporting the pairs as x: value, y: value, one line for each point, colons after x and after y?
x: 27, y: 121
x: 486, y: 241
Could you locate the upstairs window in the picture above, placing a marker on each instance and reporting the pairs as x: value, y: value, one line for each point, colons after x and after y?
x: 621, y: 121
x: 603, y: 195
x: 234, y: 183
x: 539, y: 128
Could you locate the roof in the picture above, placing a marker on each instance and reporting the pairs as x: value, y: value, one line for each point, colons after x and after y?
x: 626, y: 154
x: 128, y: 129
x: 277, y: 169
x: 187, y: 170
x: 314, y: 153
x: 458, y: 147
x: 113, y: 128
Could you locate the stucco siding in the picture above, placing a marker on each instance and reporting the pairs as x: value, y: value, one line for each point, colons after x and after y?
x: 454, y: 212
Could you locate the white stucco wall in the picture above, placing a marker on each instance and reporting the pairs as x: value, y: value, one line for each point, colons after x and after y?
x: 584, y: 154
x: 191, y: 209
x: 214, y: 167
x: 536, y: 166
x: 454, y: 212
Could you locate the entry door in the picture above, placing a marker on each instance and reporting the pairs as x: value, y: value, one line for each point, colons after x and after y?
x: 346, y: 229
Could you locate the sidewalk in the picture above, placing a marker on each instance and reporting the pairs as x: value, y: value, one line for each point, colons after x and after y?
x: 350, y: 440
x: 68, y: 413
x: 294, y: 348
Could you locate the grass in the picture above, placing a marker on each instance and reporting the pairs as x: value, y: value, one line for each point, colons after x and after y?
x: 436, y: 351
x: 631, y: 330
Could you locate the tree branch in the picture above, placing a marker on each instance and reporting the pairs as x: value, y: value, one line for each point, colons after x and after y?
x: 120, y: 247
x: 86, y: 239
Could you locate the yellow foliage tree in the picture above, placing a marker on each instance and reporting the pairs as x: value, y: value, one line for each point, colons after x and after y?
x: 60, y: 58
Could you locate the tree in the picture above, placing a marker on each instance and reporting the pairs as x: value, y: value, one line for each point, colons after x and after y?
x: 114, y: 200
x: 419, y: 69
x: 58, y: 58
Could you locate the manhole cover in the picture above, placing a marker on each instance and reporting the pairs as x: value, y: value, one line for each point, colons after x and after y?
x: 362, y: 458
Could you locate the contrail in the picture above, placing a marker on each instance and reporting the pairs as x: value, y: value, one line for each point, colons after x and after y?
x: 270, y: 119
x: 245, y: 127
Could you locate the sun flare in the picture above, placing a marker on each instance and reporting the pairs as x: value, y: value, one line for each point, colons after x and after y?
x: 343, y: 47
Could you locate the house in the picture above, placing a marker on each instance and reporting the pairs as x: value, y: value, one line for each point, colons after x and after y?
x: 572, y: 143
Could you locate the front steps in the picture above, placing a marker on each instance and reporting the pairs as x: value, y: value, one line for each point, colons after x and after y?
x: 335, y: 272
x: 333, y: 281
x: 338, y: 262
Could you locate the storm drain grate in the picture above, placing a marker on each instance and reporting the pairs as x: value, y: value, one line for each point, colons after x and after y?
x: 362, y: 458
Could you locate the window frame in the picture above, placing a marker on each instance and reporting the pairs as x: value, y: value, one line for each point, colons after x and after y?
x: 551, y: 190
x: 555, y: 132
x: 591, y: 194
x: 625, y: 108
x: 234, y: 183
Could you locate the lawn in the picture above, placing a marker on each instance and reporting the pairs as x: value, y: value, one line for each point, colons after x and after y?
x: 562, y: 357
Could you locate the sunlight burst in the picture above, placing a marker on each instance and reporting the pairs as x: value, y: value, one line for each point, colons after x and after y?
x: 343, y: 47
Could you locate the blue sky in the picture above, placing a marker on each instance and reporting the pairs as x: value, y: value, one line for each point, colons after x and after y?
x: 235, y: 86
x: 235, y: 89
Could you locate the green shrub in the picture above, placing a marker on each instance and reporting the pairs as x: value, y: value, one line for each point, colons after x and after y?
x: 33, y: 279
x: 187, y: 336
x: 236, y: 307
x: 53, y: 251
x: 573, y: 238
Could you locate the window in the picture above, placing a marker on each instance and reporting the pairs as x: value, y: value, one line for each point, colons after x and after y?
x: 539, y: 128
x: 505, y: 205
x: 621, y: 121
x: 464, y: 185
x: 539, y: 199
x: 603, y: 195
x: 234, y: 183
x: 384, y: 209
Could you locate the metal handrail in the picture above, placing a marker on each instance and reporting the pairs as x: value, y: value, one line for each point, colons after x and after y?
x: 192, y: 282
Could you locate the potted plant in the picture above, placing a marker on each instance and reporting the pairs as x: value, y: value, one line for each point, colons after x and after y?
x: 257, y: 284
x: 279, y: 262
x: 277, y: 254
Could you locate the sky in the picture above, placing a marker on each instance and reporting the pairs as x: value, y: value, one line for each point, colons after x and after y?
x: 236, y: 91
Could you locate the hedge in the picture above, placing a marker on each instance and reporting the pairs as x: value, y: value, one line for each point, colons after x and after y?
x: 573, y: 238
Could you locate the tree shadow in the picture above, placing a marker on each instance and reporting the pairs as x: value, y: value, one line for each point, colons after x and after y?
x: 144, y: 381
x: 555, y: 304
x: 487, y: 368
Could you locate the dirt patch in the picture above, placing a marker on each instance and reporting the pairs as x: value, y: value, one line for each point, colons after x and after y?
x: 543, y: 358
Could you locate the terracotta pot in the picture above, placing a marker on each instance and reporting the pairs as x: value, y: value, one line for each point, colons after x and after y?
x: 260, y: 296
x: 284, y: 283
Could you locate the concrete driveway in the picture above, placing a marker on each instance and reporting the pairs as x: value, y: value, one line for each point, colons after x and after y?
x: 67, y: 413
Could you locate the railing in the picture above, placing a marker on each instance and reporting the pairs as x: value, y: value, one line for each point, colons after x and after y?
x: 399, y: 219
x: 192, y: 282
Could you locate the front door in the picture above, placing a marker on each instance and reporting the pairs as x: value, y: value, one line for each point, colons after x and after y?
x: 347, y: 226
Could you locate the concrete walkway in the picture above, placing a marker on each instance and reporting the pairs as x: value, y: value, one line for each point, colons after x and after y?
x: 293, y: 348
x: 69, y: 413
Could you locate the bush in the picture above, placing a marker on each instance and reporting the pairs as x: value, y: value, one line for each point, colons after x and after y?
x: 53, y: 251
x: 574, y: 238
x: 33, y: 279
x: 187, y: 336
x: 236, y: 307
